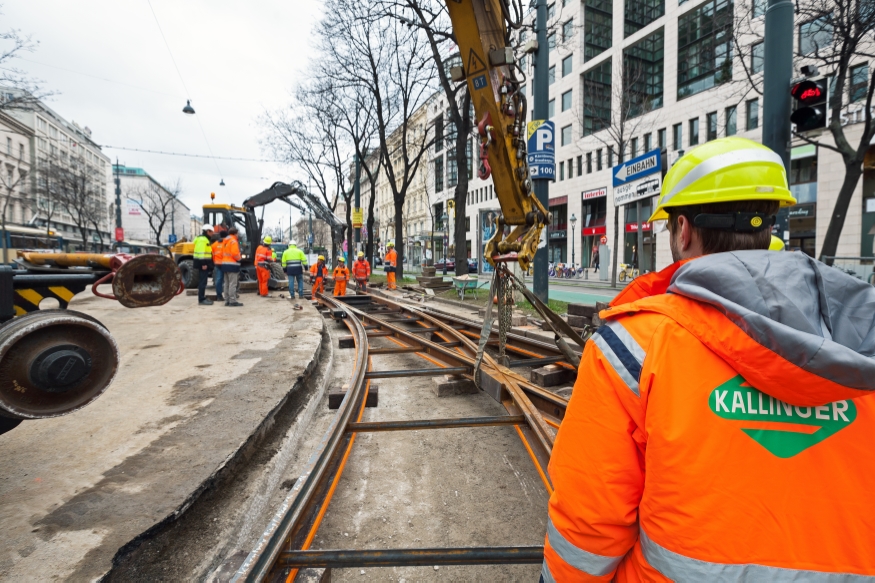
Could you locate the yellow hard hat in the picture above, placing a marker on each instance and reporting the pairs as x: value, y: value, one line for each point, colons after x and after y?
x: 321, y: 258
x: 341, y: 259
x: 776, y: 244
x: 268, y: 239
x: 361, y: 254
x: 390, y: 244
x: 724, y: 170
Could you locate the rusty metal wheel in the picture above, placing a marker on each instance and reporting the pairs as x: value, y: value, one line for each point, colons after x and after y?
x: 147, y: 280
x: 54, y: 362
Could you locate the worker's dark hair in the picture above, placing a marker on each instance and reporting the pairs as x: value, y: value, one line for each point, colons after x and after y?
x: 233, y: 231
x: 718, y: 240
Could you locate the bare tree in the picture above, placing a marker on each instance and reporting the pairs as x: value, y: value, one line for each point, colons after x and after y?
x: 78, y: 190
x: 613, y: 113
x: 158, y: 204
x: 11, y: 182
x: 19, y: 90
x: 837, y: 36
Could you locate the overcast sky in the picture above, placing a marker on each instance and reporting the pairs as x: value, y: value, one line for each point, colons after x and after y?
x: 111, y: 71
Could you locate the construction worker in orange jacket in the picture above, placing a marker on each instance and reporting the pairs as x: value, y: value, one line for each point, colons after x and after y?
x: 341, y: 276
x: 231, y: 267
x: 218, y: 274
x: 361, y: 271
x: 720, y: 427
x: 263, y: 257
x: 391, y: 262
x: 318, y: 273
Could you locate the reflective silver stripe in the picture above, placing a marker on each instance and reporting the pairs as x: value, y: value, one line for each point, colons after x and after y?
x: 589, y: 563
x: 546, y: 575
x: 617, y: 363
x: 681, y: 568
x: 720, y: 162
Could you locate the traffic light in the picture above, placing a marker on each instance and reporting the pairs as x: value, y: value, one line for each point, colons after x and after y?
x: 810, y: 96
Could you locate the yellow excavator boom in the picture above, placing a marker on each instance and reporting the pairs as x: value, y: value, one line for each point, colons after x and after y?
x: 481, y: 28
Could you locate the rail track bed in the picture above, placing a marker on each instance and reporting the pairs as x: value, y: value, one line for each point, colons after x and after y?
x: 420, y: 482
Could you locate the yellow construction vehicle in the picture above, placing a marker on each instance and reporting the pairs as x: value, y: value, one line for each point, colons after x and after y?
x: 494, y: 79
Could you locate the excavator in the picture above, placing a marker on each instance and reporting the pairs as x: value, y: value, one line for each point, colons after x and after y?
x: 224, y: 216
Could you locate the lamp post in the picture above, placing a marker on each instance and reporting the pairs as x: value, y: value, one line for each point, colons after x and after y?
x: 444, y: 229
x: 573, y: 237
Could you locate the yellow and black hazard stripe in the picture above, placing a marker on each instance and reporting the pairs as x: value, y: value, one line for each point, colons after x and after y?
x: 28, y: 299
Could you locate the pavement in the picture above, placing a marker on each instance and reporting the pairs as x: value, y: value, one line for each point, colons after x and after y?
x: 196, y: 388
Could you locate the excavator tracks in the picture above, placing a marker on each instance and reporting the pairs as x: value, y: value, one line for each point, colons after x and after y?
x: 449, y: 345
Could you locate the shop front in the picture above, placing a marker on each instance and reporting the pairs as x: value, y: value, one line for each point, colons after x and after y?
x: 557, y: 231
x: 867, y: 241
x: 643, y: 259
x: 594, y: 210
x: 801, y: 219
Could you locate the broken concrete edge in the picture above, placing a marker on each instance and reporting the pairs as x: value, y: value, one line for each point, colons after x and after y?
x: 228, y: 467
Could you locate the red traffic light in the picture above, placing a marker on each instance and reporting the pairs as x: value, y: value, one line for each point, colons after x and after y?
x: 807, y: 92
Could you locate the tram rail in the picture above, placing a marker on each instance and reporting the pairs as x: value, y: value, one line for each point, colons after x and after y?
x: 450, y: 345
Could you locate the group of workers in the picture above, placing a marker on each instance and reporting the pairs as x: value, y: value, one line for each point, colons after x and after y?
x: 217, y: 252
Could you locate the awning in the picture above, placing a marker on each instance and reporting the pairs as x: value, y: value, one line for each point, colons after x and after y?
x: 806, y: 151
x: 558, y: 200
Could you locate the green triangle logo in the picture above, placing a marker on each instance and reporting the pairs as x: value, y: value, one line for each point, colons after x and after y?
x: 784, y: 430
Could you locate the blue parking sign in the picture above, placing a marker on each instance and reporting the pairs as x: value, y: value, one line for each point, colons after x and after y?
x: 542, y: 149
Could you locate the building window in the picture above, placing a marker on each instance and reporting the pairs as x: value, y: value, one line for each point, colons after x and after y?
x: 694, y: 131
x: 567, y: 63
x: 571, y: 168
x: 566, y: 135
x: 567, y: 31
x: 524, y: 61
x: 551, y: 75
x: 551, y: 108
x: 648, y: 142
x: 731, y: 120
x: 859, y: 82
x: 566, y: 100
x: 561, y: 170
x: 633, y: 147
x: 711, y: 121
x: 678, y: 133
x: 759, y: 8
x: 815, y: 35
x: 580, y: 165
x: 597, y: 27
x: 643, y: 75
x: 21, y: 151
x: 438, y: 133
x: 660, y: 139
x: 704, y: 47
x: 598, y: 159
x: 597, y: 98
x: 469, y: 154
x: 439, y: 174
x: 640, y: 13
x: 551, y: 11
x: 9, y: 146
x: 753, y: 114
x: 610, y: 157
x: 523, y: 90
x: 551, y: 42
x: 757, y: 55
x: 589, y: 162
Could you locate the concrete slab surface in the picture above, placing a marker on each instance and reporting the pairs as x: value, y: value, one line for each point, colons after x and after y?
x: 196, y: 386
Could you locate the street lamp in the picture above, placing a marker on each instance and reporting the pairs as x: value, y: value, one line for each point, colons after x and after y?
x: 188, y: 109
x: 444, y: 229
x: 573, y: 237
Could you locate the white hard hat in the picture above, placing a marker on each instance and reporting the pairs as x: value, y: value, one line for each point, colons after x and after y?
x: 207, y: 228
x: 293, y: 244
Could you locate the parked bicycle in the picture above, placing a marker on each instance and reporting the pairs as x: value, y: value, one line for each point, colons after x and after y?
x: 627, y: 271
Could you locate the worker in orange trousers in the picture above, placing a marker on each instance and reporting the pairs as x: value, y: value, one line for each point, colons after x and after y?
x: 263, y: 256
x: 361, y: 270
x: 391, y: 262
x: 317, y: 275
x: 341, y: 276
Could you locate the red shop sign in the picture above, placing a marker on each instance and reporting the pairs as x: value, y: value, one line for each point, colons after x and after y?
x: 633, y: 227
x: 590, y: 231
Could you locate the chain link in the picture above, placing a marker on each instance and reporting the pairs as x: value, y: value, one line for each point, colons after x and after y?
x: 505, y: 312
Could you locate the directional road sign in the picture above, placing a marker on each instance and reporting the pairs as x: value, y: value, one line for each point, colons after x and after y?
x: 171, y: 238
x: 542, y: 149
x: 642, y: 188
x: 643, y: 165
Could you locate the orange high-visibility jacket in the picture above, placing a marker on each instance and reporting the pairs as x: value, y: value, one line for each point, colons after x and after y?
x: 314, y: 270
x: 341, y: 273
x: 263, y: 254
x: 391, y: 260
x: 361, y: 268
x: 217, y: 251
x: 231, y: 251
x: 721, y: 431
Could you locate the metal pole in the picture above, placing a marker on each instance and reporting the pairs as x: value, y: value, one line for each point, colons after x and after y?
x: 358, y: 199
x: 118, y: 197
x: 639, y: 248
x: 777, y: 74
x: 541, y: 94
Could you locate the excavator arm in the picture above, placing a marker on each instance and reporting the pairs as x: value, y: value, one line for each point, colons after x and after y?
x: 482, y: 28
x: 284, y: 192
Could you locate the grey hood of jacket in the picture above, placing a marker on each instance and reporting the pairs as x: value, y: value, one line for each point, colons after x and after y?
x: 806, y: 312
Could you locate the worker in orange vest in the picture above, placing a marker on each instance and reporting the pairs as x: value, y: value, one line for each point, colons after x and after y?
x: 231, y: 267
x: 263, y: 258
x: 341, y: 276
x: 218, y: 274
x: 720, y: 426
x: 318, y: 273
x: 361, y: 270
x: 391, y: 263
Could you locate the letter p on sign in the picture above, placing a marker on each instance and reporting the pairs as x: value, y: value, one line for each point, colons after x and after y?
x: 544, y: 138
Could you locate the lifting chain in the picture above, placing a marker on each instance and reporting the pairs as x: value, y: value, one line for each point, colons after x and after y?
x: 505, y: 312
